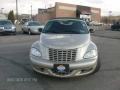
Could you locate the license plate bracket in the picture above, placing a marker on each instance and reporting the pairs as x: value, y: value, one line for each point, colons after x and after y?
x: 61, y: 68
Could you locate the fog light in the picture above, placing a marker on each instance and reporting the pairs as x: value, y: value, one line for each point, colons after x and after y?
x: 78, y: 73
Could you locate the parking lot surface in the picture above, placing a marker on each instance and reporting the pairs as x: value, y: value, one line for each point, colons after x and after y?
x: 107, y: 34
x: 16, y: 71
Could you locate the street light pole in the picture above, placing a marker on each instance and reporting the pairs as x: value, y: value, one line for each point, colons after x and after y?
x: 17, y: 9
x: 31, y: 12
x: 45, y: 4
x: 110, y: 12
x: 2, y: 10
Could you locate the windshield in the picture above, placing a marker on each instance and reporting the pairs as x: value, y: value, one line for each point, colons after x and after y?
x: 34, y: 24
x: 5, y: 23
x: 66, y: 27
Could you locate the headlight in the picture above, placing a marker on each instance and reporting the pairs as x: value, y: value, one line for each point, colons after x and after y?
x: 13, y: 27
x: 90, y: 54
x: 35, y: 52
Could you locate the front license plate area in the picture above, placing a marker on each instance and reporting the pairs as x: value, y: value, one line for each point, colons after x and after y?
x: 61, y: 68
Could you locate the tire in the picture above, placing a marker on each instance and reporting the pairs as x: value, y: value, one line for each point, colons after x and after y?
x: 23, y: 31
x: 112, y: 29
x: 14, y: 33
x: 97, y: 68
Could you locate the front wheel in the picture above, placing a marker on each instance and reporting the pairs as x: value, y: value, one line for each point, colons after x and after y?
x: 14, y: 33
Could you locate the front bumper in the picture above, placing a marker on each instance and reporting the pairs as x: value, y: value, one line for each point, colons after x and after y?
x: 78, y: 68
x: 7, y: 31
x: 35, y: 32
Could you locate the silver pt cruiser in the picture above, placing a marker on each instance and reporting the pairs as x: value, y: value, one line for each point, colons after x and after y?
x: 65, y: 49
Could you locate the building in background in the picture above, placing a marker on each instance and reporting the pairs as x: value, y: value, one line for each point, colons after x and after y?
x: 3, y: 16
x: 24, y: 16
x: 69, y: 10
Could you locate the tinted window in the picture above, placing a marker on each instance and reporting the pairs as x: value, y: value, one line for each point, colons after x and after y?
x: 66, y: 27
x: 5, y: 23
x: 34, y: 24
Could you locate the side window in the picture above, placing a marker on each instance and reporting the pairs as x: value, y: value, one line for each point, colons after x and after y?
x: 48, y: 25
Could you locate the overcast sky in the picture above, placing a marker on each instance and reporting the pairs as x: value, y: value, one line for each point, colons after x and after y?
x: 24, y: 5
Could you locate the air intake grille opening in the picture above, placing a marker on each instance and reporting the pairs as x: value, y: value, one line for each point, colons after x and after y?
x: 59, y: 55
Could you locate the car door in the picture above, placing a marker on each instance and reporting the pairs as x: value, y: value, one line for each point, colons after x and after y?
x: 25, y: 27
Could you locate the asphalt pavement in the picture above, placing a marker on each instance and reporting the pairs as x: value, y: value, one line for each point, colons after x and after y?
x: 16, y: 72
x: 107, y: 34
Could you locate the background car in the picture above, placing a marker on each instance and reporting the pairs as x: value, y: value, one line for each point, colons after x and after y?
x: 32, y: 27
x: 23, y: 21
x: 94, y: 23
x: 7, y: 27
x: 115, y: 26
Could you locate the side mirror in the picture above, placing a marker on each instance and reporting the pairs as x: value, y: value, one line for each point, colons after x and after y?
x: 92, y: 30
x: 40, y: 29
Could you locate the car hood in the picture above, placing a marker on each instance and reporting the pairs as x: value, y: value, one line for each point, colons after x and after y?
x: 63, y: 41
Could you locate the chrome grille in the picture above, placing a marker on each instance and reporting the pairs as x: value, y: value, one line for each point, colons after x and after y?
x: 8, y: 27
x: 58, y: 55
